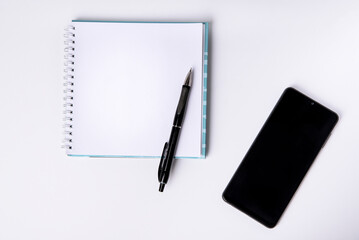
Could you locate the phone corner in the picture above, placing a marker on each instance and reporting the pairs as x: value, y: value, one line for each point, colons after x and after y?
x: 225, y: 197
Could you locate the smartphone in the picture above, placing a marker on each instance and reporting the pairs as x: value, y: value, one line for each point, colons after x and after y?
x: 279, y: 157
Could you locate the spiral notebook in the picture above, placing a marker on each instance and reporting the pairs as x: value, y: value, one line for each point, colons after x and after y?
x: 122, y: 85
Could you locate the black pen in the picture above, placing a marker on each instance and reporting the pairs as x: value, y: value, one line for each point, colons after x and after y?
x: 170, y: 146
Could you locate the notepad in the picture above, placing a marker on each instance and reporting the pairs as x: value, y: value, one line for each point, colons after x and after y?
x: 122, y: 85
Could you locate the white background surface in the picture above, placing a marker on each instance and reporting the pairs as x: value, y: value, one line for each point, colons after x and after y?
x: 257, y: 49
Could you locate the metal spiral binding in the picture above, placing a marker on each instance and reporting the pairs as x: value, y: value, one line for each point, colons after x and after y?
x: 68, y: 85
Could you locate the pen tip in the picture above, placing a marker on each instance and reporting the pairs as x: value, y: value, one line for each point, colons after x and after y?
x: 162, y: 186
x: 188, y: 80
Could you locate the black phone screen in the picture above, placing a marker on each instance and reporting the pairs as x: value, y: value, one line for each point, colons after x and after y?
x: 280, y: 156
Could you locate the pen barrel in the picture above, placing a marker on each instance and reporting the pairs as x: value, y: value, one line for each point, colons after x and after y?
x: 181, y: 108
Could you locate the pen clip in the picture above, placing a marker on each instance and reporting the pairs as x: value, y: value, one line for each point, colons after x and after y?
x: 162, y: 162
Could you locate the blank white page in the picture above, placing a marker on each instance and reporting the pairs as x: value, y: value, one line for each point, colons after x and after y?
x: 127, y: 81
